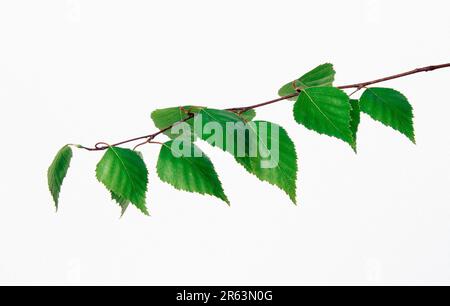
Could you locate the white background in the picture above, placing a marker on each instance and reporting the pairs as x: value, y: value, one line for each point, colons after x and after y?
x: 88, y: 71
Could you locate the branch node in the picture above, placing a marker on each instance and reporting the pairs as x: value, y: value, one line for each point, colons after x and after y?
x: 102, y: 146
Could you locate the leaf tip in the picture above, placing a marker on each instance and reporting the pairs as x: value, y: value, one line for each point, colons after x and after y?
x: 293, y: 198
x: 144, y: 210
x: 224, y: 198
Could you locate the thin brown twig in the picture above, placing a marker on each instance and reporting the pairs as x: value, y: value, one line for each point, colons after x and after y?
x: 101, y: 146
x: 355, y: 91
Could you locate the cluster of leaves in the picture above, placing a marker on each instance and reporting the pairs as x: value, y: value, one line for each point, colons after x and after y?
x: 318, y: 106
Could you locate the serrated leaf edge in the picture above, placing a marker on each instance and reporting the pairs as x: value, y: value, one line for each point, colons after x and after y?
x: 292, y: 197
x: 143, y: 209
x: 225, y: 199
x: 320, y: 133
x: 57, y: 196
x: 413, y: 139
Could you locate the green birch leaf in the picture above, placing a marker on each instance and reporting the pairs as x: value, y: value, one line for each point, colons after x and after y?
x: 57, y: 172
x: 123, y: 203
x: 391, y: 108
x: 220, y: 129
x: 123, y: 172
x: 163, y: 118
x: 325, y: 110
x: 231, y: 134
x: 276, y: 158
x: 356, y: 119
x: 192, y: 172
x: 321, y: 76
